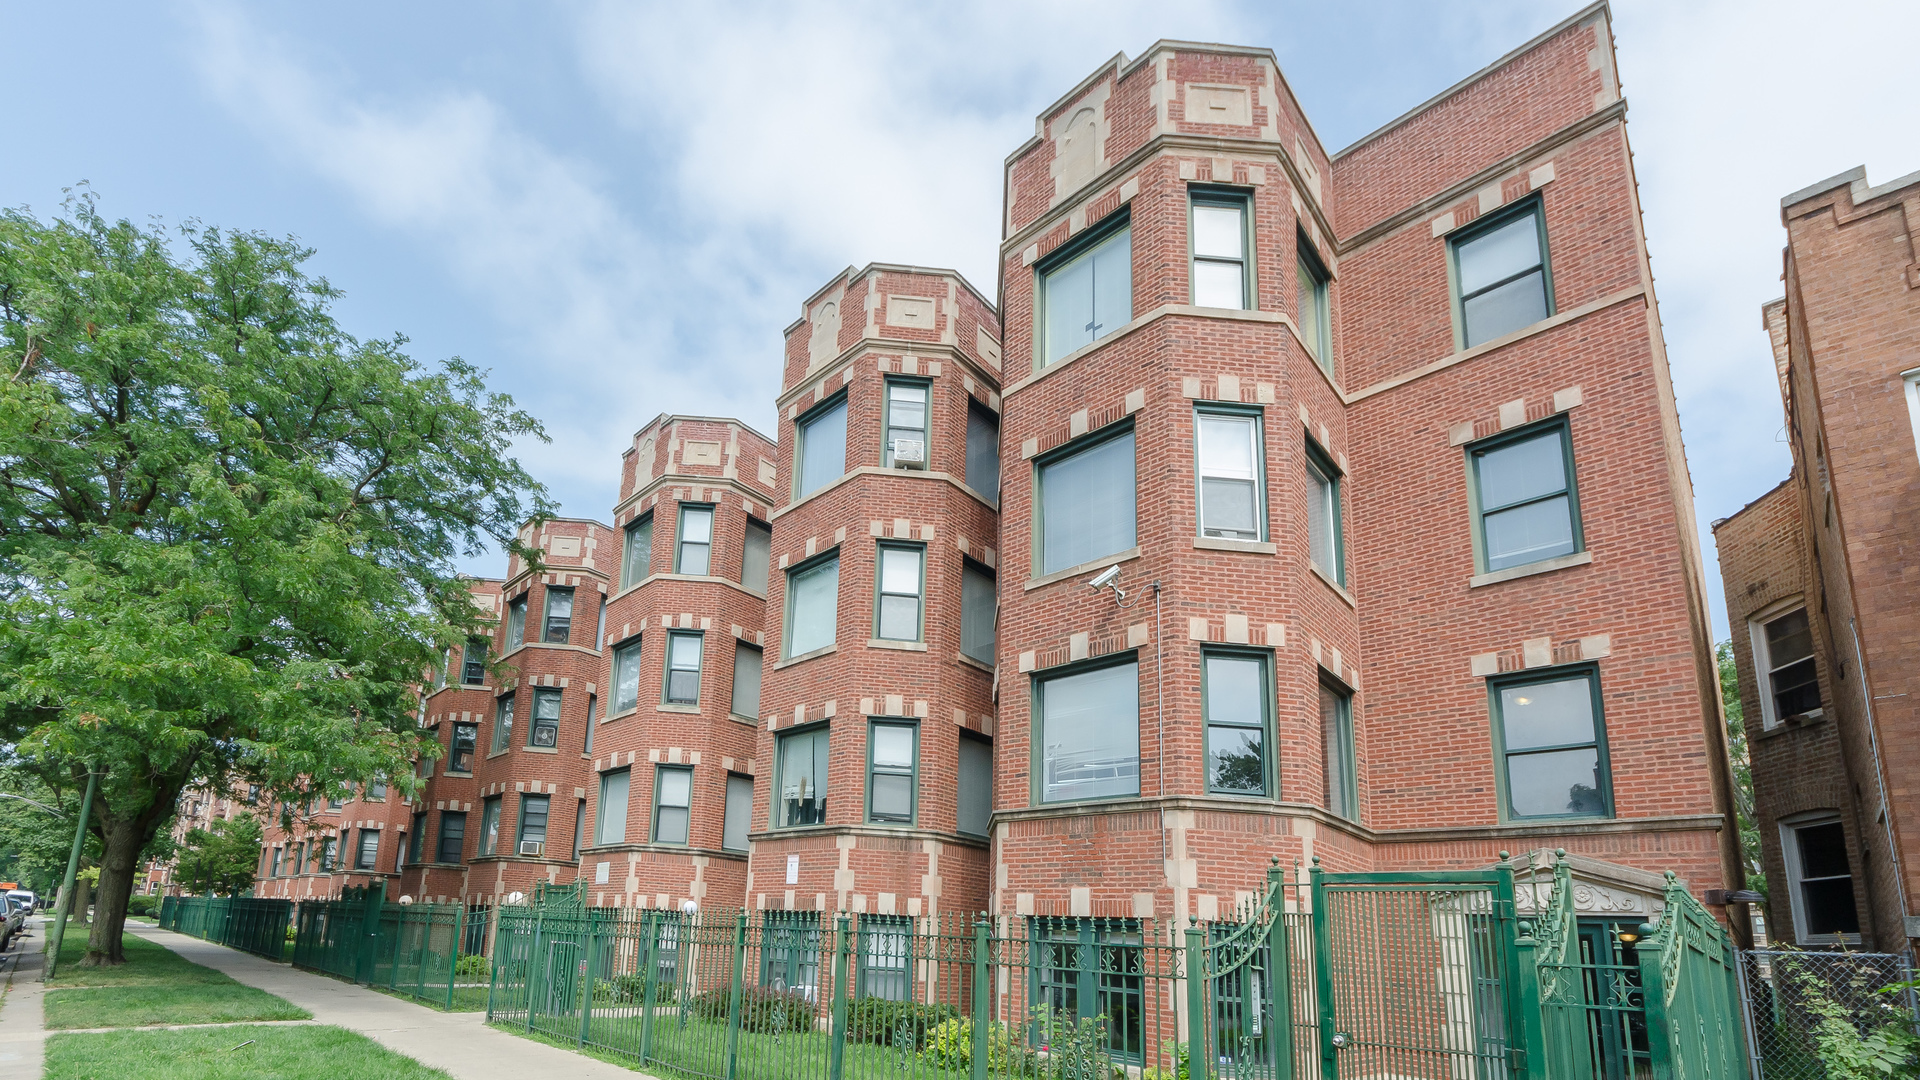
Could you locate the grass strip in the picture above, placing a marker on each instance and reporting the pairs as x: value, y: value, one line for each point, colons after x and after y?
x: 154, y: 986
x: 289, y: 1053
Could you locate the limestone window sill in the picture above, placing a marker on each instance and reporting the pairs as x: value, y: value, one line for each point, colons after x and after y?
x: 691, y: 710
x: 1215, y: 543
x: 971, y: 662
x: 541, y: 749
x: 806, y: 656
x: 903, y: 646
x: 1337, y: 588
x: 1544, y: 566
x: 1095, y: 566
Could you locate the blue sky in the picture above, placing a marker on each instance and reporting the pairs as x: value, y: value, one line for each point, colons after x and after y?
x: 617, y: 207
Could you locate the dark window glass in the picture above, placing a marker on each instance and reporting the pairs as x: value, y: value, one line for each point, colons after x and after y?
x: 559, y: 615
x: 978, y: 606
x: 886, y: 956
x: 1550, y: 732
x: 1336, y: 730
x: 983, y: 451
x: 369, y: 851
x: 502, y: 721
x: 753, y: 564
x: 473, y: 662
x: 545, y: 729
x: 1236, y: 705
x: 465, y: 738
x: 1311, y: 299
x: 533, y: 818
x: 801, y: 798
x: 490, y: 825
x: 453, y: 836
x: 1791, y: 678
x: 1826, y: 880
x: 976, y: 785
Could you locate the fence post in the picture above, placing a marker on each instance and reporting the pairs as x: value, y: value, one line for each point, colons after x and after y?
x: 1653, y: 997
x: 453, y: 953
x: 375, y: 897
x: 982, y: 971
x: 649, y: 975
x: 837, y: 1046
x: 1198, y: 1056
x: 586, y: 975
x: 533, y: 960
x: 1526, y: 1033
x: 1323, y: 972
x: 733, y: 1004
x: 1279, y: 975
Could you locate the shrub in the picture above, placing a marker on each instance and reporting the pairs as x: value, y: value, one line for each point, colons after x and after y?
x: 630, y: 989
x: 762, y: 1010
x: 895, y: 1023
x: 472, y: 968
x: 949, y: 1045
x: 142, y: 904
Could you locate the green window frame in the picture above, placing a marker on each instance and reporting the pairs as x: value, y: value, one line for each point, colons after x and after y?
x: 681, y: 686
x: 693, y: 540
x: 626, y: 675
x: 672, y: 804
x: 636, y: 557
x: 329, y: 854
x: 979, y: 610
x: 800, y: 777
x: 1548, y: 726
x: 1083, y: 968
x: 816, y: 581
x: 543, y: 727
x: 820, y: 437
x: 416, y: 840
x: 790, y: 952
x: 465, y: 739
x: 610, y: 810
x: 490, y: 825
x: 738, y: 811
x: 1090, y: 702
x: 452, y: 840
x: 756, y: 555
x: 1086, y: 500
x: 1326, y: 531
x: 473, y: 662
x: 893, y: 771
x: 1338, y: 762
x: 517, y: 622
x: 1500, y: 273
x: 531, y: 826
x: 1230, y: 475
x: 1236, y: 692
x: 1220, y: 248
x: 749, y: 666
x: 1312, y: 310
x: 1084, y: 291
x: 593, y: 721
x: 899, y: 594
x: 367, y: 855
x: 909, y: 407
x: 983, y: 450
x: 886, y: 957
x: 1533, y: 511
x: 502, y: 722
x: 557, y: 626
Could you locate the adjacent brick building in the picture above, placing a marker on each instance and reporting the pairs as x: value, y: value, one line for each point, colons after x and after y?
x: 1822, y: 571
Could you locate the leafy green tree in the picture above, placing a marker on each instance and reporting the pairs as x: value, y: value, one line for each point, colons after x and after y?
x: 220, y: 859
x: 227, y: 527
x: 1742, y: 766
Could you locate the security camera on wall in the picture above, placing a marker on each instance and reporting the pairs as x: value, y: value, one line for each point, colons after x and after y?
x: 1105, y: 578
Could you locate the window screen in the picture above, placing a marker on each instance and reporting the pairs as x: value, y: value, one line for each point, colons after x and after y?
x: 683, y: 669
x: 673, y: 795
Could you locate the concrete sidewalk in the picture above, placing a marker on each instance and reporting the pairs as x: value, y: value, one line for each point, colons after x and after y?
x: 22, y: 1022
x: 460, y: 1043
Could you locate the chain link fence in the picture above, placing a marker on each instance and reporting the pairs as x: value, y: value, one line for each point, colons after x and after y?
x: 1789, y: 994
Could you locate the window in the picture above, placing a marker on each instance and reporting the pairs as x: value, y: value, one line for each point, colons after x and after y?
x: 600, y: 622
x: 1086, y: 503
x: 440, y: 670
x: 1783, y: 658
x: 683, y: 669
x: 1090, y: 733
x: 1336, y: 731
x: 533, y: 819
x: 1500, y: 273
x: 330, y: 855
x: 490, y: 825
x: 978, y: 609
x: 1235, y: 691
x: 502, y: 722
x: 976, y: 784
x: 610, y: 827
x: 593, y: 719
x: 672, y: 795
x: 1550, y: 734
x: 517, y: 622
x: 1325, y: 539
x: 886, y: 956
x: 1083, y: 968
x: 983, y: 451
x: 790, y: 952
x: 1316, y: 325
x: 733, y: 832
x: 626, y: 675
x: 417, y: 838
x: 747, y: 662
x: 453, y: 836
x: 813, y: 605
x: 579, y: 825
x: 636, y: 558
x: 253, y: 794
x: 1232, y: 504
x: 906, y: 425
x: 334, y: 802
x: 1219, y: 238
x: 473, y: 662
x: 1524, y: 496
x: 367, y: 856
x: 275, y: 870
x: 545, y: 729
x: 1821, y: 878
x: 559, y: 625
x: 755, y: 556
x: 801, y: 798
x: 1088, y: 294
x: 1911, y: 381
x: 460, y: 757
x: 892, y: 754
x: 693, y: 548
x: 822, y: 447
x: 377, y: 791
x: 898, y: 617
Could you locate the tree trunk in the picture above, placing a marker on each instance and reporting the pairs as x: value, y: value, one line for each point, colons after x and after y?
x: 123, y: 841
x: 82, y: 899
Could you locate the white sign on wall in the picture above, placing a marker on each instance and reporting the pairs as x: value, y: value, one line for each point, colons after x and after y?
x: 793, y: 869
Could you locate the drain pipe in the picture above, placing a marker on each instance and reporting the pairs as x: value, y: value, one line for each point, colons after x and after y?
x: 1160, y: 727
x: 1880, y: 778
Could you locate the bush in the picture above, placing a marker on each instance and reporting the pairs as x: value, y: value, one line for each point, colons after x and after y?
x: 895, y: 1023
x: 950, y: 1046
x: 472, y: 968
x: 142, y: 904
x: 761, y: 1010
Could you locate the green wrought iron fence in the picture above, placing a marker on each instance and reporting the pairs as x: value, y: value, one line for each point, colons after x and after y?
x: 1689, y: 970
x: 250, y: 924
x: 410, y: 949
x: 1592, y: 1005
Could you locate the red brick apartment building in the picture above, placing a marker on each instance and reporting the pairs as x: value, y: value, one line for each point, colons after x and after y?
x: 1822, y: 571
x: 1289, y: 504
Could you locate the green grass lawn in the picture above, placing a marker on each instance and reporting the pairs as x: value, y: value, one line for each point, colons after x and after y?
x: 282, y: 1053
x: 154, y: 986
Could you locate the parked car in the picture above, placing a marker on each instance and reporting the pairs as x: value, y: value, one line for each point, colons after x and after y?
x: 32, y: 901
x: 16, y: 921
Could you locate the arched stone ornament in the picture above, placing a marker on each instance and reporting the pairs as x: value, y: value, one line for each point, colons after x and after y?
x: 823, y: 343
x: 1080, y: 142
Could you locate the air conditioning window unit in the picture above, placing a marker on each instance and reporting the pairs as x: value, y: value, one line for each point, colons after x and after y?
x: 532, y: 847
x: 910, y: 453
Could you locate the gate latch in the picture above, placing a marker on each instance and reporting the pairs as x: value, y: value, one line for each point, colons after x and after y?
x: 1340, y: 1040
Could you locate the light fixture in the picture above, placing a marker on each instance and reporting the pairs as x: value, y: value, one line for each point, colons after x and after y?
x: 1626, y: 935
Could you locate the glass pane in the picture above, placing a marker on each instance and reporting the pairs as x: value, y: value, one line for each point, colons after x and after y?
x: 696, y: 526
x: 1069, y: 299
x: 803, y: 779
x: 1228, y: 509
x: 559, y: 603
x: 900, y: 570
x: 1086, y: 505
x: 1236, y: 690
x: 490, y: 828
x: 611, y: 825
x: 1828, y: 906
x: 685, y: 652
x: 1517, y: 304
x: 906, y: 406
x: 983, y: 452
x: 1092, y: 733
x: 823, y: 448
x: 1234, y: 761
x: 733, y: 835
x: 815, y: 606
x: 1336, y: 728
x: 1113, y: 284
x: 892, y: 797
x: 683, y: 687
x: 1789, y: 638
x: 900, y: 618
x: 1218, y: 284
x: 693, y: 558
x: 1796, y: 689
x: 1226, y: 447
x: 976, y: 786
x: 638, y: 553
x: 676, y: 787
x: 893, y: 746
x: 976, y: 614
x: 1823, y: 850
x: 746, y: 680
x: 1560, y: 782
x: 1529, y: 533
x: 1499, y: 253
x: 753, y: 566
x: 626, y: 677
x: 1521, y: 471
x: 672, y: 825
x: 1310, y: 301
x: 1217, y: 231
x: 516, y: 623
x: 546, y: 705
x: 1547, y: 714
x: 1322, y: 512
